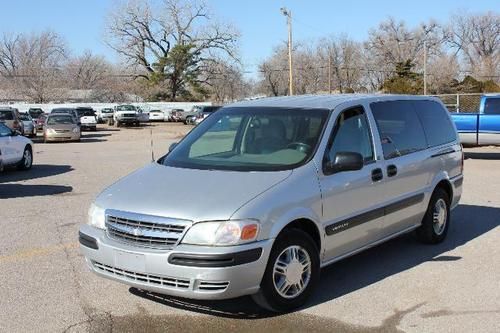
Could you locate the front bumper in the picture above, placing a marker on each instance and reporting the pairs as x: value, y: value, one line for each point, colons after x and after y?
x: 127, y: 120
x: 67, y: 136
x: 161, y: 271
x: 88, y: 125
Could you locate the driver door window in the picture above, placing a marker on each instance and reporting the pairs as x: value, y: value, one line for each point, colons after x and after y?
x: 352, y: 134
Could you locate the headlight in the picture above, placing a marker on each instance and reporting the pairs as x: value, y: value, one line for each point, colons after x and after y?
x: 50, y: 131
x: 76, y: 130
x: 96, y: 216
x: 222, y: 233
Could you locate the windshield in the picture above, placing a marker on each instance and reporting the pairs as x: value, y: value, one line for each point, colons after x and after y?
x: 24, y: 117
x: 60, y: 119
x: 6, y: 115
x: 251, y: 139
x: 85, y: 112
x: 125, y: 108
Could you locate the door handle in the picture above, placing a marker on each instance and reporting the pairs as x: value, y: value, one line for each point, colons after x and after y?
x: 377, y: 174
x: 392, y: 170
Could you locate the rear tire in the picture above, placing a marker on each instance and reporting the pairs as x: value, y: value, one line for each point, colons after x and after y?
x: 291, y: 274
x: 436, y: 220
x: 27, y: 161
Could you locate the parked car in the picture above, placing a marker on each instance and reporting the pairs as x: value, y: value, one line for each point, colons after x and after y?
x: 167, y: 114
x: 176, y: 115
x: 126, y: 114
x: 70, y: 111
x: 156, y: 115
x: 204, y: 113
x: 29, y: 126
x: 35, y: 112
x: 104, y: 115
x: 295, y: 184
x: 192, y: 112
x: 15, y: 150
x: 87, y: 118
x: 40, y: 121
x: 10, y: 117
x: 482, y: 128
x: 190, y: 120
x: 61, y: 127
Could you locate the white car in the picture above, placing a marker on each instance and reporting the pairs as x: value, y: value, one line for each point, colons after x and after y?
x: 156, y: 115
x: 15, y: 149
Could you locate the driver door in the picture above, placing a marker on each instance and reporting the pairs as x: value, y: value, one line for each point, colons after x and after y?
x: 352, y: 200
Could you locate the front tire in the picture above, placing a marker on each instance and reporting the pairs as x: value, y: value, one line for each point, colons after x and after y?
x: 27, y: 161
x: 291, y: 274
x: 436, y: 220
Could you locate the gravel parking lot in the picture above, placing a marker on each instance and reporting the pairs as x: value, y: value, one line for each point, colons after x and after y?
x: 399, y: 286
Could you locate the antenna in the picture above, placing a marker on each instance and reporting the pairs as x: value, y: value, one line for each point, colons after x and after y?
x: 152, y: 150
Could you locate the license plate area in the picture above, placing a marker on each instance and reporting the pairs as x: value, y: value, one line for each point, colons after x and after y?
x: 130, y: 261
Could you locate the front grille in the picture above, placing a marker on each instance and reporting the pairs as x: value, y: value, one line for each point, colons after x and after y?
x: 140, y: 277
x: 62, y: 131
x: 128, y: 115
x: 145, y: 231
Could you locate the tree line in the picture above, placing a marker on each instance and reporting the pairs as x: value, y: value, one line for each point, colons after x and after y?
x: 178, y: 50
x: 462, y: 55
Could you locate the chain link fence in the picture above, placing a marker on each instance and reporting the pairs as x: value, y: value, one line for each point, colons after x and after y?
x: 461, y: 102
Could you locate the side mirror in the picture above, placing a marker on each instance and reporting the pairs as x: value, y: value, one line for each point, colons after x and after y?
x: 344, y: 161
x: 172, y: 146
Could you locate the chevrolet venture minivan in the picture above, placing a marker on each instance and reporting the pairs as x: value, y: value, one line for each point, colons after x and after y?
x: 263, y: 194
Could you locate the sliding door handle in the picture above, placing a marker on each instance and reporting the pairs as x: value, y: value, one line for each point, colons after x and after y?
x: 392, y: 170
x: 377, y: 174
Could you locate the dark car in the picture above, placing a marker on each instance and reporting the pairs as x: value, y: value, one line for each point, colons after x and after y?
x: 35, y: 113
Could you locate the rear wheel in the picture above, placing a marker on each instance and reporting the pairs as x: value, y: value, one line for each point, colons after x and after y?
x: 436, y: 220
x: 291, y: 274
x: 27, y: 160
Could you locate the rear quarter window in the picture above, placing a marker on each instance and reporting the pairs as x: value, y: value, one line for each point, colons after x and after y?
x: 400, y: 129
x: 437, y: 124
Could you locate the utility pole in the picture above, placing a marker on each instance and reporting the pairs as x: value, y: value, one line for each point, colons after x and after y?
x: 329, y: 72
x: 288, y: 15
x: 425, y: 67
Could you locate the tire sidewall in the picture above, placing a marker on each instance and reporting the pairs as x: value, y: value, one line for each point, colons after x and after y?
x: 275, y: 301
x: 22, y: 165
x: 427, y: 232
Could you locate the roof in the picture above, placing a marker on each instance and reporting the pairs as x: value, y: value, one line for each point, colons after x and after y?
x: 321, y: 101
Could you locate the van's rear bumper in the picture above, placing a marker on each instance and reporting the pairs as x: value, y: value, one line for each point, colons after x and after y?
x: 457, y: 184
x: 196, y: 272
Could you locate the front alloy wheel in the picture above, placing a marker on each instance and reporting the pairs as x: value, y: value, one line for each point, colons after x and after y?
x: 291, y: 273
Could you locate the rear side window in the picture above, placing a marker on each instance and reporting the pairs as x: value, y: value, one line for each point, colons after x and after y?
x: 492, y: 106
x: 437, y: 124
x: 400, y: 129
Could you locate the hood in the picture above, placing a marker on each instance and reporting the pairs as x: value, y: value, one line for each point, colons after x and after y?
x: 197, y: 195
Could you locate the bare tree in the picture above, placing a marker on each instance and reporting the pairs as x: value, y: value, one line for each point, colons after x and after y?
x: 226, y: 83
x: 477, y: 39
x: 343, y: 58
x: 87, y: 71
x: 274, y: 73
x: 173, y: 43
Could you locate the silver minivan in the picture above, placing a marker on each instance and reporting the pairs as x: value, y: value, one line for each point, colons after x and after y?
x: 263, y: 194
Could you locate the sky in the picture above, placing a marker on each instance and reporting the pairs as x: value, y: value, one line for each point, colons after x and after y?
x: 262, y: 26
